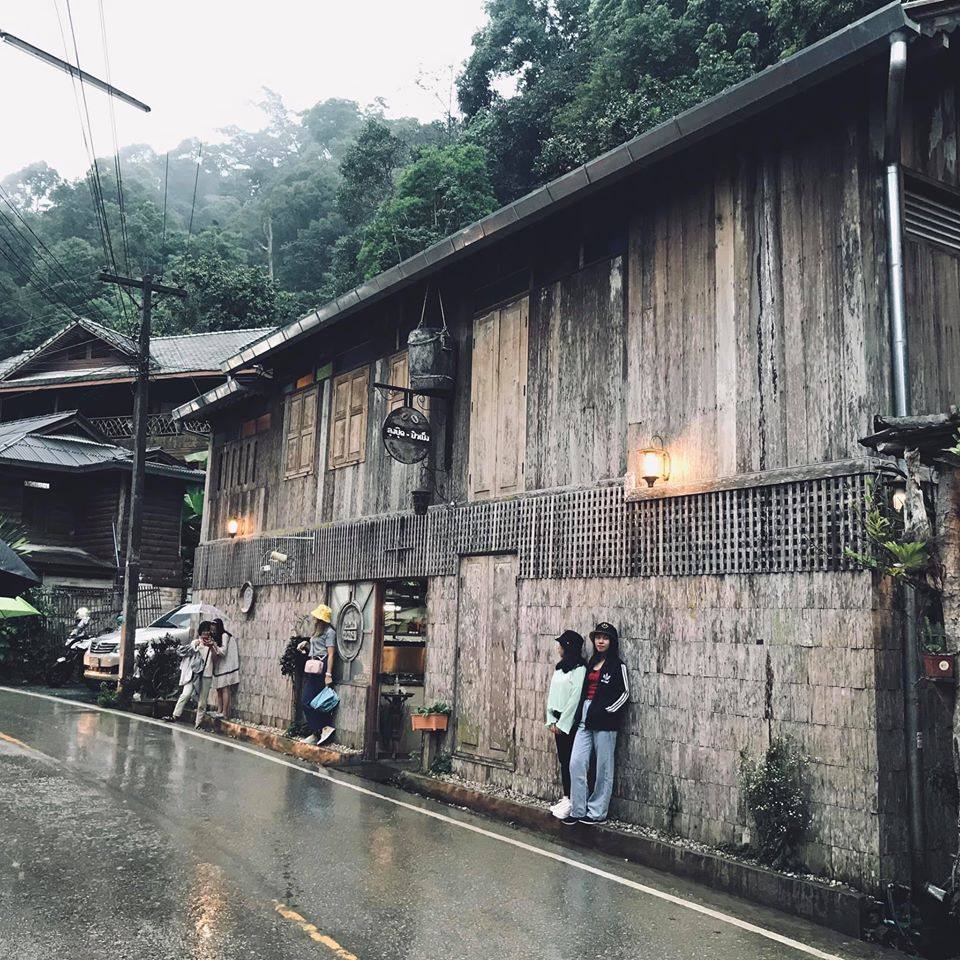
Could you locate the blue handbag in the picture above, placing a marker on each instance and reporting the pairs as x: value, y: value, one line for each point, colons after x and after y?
x: 326, y: 700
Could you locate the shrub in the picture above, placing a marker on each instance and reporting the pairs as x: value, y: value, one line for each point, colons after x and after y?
x: 292, y: 660
x: 158, y: 668
x: 777, y: 800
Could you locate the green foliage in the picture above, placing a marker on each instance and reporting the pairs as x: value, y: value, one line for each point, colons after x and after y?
x: 892, y: 553
x: 438, y: 707
x: 272, y: 222
x: 442, y: 764
x: 26, y: 650
x: 297, y: 729
x: 775, y: 792
x: 158, y: 668
x: 443, y: 190
x: 292, y: 660
x: 108, y: 697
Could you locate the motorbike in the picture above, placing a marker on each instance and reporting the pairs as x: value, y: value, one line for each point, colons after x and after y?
x: 70, y: 665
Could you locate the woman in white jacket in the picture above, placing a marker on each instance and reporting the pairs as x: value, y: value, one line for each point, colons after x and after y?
x: 563, y: 699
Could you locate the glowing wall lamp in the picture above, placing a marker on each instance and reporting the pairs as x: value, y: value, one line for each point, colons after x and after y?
x: 233, y: 526
x: 654, y: 462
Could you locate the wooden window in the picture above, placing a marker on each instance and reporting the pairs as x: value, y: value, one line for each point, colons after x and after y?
x: 398, y: 375
x: 238, y: 465
x: 498, y: 402
x: 348, y: 426
x: 300, y: 433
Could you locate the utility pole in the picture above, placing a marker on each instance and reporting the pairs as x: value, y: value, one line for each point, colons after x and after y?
x: 131, y: 573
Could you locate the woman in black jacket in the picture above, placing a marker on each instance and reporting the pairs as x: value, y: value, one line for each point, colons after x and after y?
x: 606, y: 691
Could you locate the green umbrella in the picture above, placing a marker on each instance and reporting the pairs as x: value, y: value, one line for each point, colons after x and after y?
x: 16, y: 607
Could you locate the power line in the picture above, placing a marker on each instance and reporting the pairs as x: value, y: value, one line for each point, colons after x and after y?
x: 196, y: 180
x: 96, y: 182
x: 43, y: 252
x: 116, y: 145
x: 163, y: 238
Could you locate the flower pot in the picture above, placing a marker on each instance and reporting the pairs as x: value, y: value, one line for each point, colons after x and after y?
x: 939, y: 666
x: 430, y: 721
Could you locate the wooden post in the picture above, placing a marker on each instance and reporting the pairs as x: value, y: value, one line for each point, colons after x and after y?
x: 131, y: 577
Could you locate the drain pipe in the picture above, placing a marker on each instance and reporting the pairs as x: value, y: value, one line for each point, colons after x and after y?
x: 900, y: 370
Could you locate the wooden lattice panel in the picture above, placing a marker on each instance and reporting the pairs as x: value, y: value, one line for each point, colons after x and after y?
x: 778, y: 528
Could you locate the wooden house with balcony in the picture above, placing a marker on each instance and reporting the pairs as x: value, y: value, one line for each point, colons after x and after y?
x: 67, y: 487
x: 91, y: 368
x: 724, y: 290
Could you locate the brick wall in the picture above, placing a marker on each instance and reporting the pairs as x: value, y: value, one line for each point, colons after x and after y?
x: 719, y: 665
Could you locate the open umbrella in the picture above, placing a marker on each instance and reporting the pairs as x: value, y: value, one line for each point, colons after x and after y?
x: 11, y: 607
x: 206, y: 611
x: 15, y: 575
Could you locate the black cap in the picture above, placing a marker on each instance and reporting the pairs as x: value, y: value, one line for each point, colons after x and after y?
x: 570, y: 640
x: 606, y: 630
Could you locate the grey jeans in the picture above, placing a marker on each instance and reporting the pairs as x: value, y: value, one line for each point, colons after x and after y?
x: 186, y: 692
x: 604, y: 742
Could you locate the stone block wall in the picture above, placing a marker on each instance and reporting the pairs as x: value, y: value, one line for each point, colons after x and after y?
x: 264, y: 695
x: 720, y: 666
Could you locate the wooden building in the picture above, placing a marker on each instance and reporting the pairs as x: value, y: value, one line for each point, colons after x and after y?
x: 91, y: 368
x: 718, y: 285
x: 68, y: 488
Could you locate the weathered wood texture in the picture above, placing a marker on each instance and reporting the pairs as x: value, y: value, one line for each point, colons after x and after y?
x: 720, y: 665
x: 804, y: 525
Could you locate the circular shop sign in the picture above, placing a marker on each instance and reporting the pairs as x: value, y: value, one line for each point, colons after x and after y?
x: 406, y: 435
x: 349, y: 631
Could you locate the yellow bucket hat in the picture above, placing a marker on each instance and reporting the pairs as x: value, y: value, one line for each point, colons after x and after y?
x: 322, y: 612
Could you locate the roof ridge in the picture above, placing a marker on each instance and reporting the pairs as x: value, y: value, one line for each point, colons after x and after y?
x: 210, y: 333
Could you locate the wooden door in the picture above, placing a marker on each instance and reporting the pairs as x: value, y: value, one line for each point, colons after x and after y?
x: 485, y: 714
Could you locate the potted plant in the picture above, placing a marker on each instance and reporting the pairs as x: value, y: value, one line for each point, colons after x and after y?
x: 433, y: 718
x: 938, y: 664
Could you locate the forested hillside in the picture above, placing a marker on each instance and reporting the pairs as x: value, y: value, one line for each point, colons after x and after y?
x: 264, y: 225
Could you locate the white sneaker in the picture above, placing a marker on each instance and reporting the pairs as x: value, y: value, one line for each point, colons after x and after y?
x: 311, y: 740
x: 561, y: 809
x: 325, y: 734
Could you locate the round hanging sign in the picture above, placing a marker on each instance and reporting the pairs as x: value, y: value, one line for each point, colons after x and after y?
x: 406, y: 435
x: 349, y: 631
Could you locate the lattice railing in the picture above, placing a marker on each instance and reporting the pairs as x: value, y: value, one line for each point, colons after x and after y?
x: 786, y: 527
x: 158, y: 425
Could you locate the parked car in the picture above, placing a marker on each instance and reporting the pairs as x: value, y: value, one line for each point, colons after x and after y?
x: 102, y: 661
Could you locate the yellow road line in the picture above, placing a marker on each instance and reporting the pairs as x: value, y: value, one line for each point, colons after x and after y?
x: 14, y: 741
x: 312, y: 931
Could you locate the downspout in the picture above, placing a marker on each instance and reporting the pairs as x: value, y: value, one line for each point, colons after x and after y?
x: 900, y: 375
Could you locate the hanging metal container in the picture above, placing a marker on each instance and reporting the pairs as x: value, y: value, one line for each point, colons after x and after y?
x: 432, y: 356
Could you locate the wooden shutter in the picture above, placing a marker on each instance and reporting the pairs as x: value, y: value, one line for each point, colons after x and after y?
x: 500, y: 670
x: 292, y: 434
x: 348, y: 433
x: 399, y: 376
x: 498, y: 402
x: 511, y: 398
x: 483, y: 408
x: 308, y: 430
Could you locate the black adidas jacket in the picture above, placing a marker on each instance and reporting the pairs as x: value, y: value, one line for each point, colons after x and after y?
x: 613, y: 691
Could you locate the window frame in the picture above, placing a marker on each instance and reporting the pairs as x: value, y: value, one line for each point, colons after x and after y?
x: 348, y: 458
x: 300, y: 396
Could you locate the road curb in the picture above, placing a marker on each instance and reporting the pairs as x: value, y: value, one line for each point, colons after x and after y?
x: 277, y: 742
x: 838, y: 908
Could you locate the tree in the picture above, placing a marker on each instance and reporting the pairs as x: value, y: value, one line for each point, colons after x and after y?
x: 443, y: 190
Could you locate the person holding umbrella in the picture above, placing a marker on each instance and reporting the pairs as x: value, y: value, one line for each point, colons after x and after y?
x: 226, y: 671
x: 207, y: 646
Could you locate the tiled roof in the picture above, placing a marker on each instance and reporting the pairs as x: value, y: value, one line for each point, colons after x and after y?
x: 182, y: 353
x: 31, y: 442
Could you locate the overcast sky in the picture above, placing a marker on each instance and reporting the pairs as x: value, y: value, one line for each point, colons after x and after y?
x: 201, y: 65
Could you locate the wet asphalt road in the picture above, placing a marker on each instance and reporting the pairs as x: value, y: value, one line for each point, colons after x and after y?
x: 124, y: 838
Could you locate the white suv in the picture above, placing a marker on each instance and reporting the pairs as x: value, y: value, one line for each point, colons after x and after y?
x: 102, y: 661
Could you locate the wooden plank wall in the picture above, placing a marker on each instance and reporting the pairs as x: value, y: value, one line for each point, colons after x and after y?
x: 752, y: 286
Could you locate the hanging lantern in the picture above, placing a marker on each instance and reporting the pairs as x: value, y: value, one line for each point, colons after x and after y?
x: 431, y: 354
x: 654, y: 462
x: 233, y: 526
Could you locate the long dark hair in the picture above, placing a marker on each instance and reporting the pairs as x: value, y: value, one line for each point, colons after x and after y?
x: 612, y: 655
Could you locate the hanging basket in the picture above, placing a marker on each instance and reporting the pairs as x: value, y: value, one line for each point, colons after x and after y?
x: 429, y: 721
